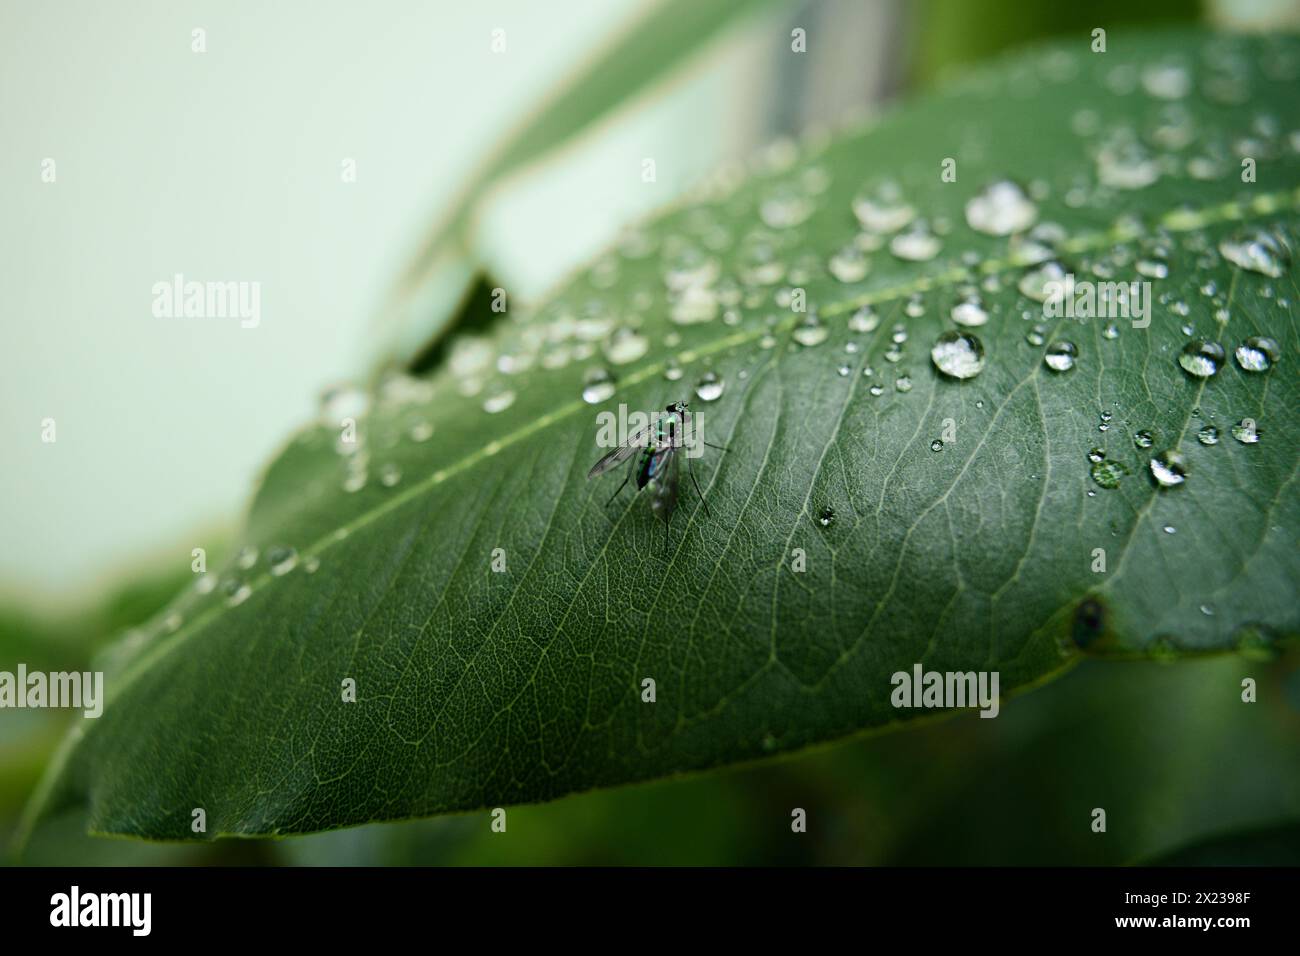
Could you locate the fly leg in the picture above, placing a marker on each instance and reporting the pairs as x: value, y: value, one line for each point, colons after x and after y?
x: 696, y: 483
x: 626, y: 479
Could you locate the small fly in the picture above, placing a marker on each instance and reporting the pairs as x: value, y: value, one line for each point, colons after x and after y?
x: 656, y: 465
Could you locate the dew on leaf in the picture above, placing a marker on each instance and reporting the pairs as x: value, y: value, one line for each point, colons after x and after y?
x: 1257, y: 354
x: 1169, y: 468
x: 1061, y: 356
x: 958, y: 355
x: 1201, y: 358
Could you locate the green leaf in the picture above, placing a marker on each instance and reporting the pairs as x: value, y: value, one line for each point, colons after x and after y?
x: 650, y: 50
x: 478, y: 688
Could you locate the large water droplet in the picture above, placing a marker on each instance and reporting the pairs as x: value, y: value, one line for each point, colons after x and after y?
x: 1000, y: 209
x: 849, y: 264
x: 864, y: 319
x: 1169, y: 468
x: 1200, y: 358
x: 625, y: 345
x: 958, y: 355
x: 1043, y: 282
x: 1208, y: 435
x: 1246, y: 432
x: 1257, y: 354
x: 1258, y: 250
x: 710, y: 387
x: 1061, y: 356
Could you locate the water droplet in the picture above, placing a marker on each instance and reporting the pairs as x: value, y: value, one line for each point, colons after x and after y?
x: 1037, y: 335
x: 499, y: 401
x: 710, y: 387
x: 1208, y: 435
x: 958, y: 355
x: 420, y: 431
x: 1258, y: 250
x: 1000, y: 209
x: 282, y: 560
x: 1169, y: 529
x: 883, y: 209
x: 625, y: 345
x: 1096, y: 454
x: 1124, y: 163
x: 1143, y: 439
x: 1167, y: 81
x: 311, y: 565
x: 205, y: 582
x: 1153, y: 268
x: 936, y: 445
x: 1200, y: 358
x: 389, y: 474
x: 849, y: 265
x: 826, y: 516
x: 598, y: 386
x: 767, y: 342
x: 342, y: 401
x: 903, y: 383
x: 1110, y: 332
x: 1169, y: 468
x: 864, y: 319
x: 1257, y: 354
x: 236, y: 591
x: 673, y: 371
x: 1044, y: 281
x: 811, y: 332
x: 915, y: 307
x: 877, y: 390
x: 970, y: 312
x: 1246, y: 432
x: 784, y: 207
x: 917, y: 244
x: 1061, y: 356
x: 247, y: 557
x: 1108, y: 474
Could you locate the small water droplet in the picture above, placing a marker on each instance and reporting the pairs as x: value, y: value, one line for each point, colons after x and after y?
x: 598, y: 386
x: 883, y: 209
x: 1000, y: 209
x: 917, y: 244
x: 710, y: 387
x: 936, y: 445
x: 499, y: 401
x: 673, y: 371
x: 1044, y: 281
x: 969, y: 311
x: 1169, y: 468
x: 282, y: 560
x: 625, y: 345
x: 877, y: 390
x: 1110, y: 332
x: 958, y: 355
x: 903, y: 383
x: 1257, y: 354
x: 1107, y: 474
x: 1061, y: 356
x: 389, y: 474
x: 1245, y: 432
x: 311, y: 565
x: 247, y: 557
x: 1143, y: 439
x: 1258, y: 250
x: 825, y: 517
x: 236, y: 591
x: 811, y: 331
x: 1200, y: 358
x: 864, y: 319
x: 420, y: 431
x: 1037, y: 335
x: 1169, y: 529
x: 1208, y: 435
x: 849, y: 264
x: 1096, y: 454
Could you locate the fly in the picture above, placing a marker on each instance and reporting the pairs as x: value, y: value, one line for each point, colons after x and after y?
x: 653, y: 451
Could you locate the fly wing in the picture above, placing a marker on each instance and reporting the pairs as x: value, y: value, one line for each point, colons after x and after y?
x: 664, y: 501
x: 635, y: 442
x: 615, y: 457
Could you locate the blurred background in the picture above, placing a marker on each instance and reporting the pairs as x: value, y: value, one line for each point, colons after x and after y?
x: 316, y: 148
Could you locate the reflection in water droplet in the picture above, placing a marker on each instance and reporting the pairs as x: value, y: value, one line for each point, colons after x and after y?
x: 1061, y: 356
x: 598, y: 386
x: 1208, y: 435
x: 1108, y: 474
x: 282, y: 560
x: 1257, y: 354
x: 958, y: 355
x: 1258, y: 250
x: 1169, y: 468
x: 710, y: 387
x: 1200, y: 358
x: 936, y: 445
x: 1096, y: 454
x: 1110, y: 332
x: 1000, y: 209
